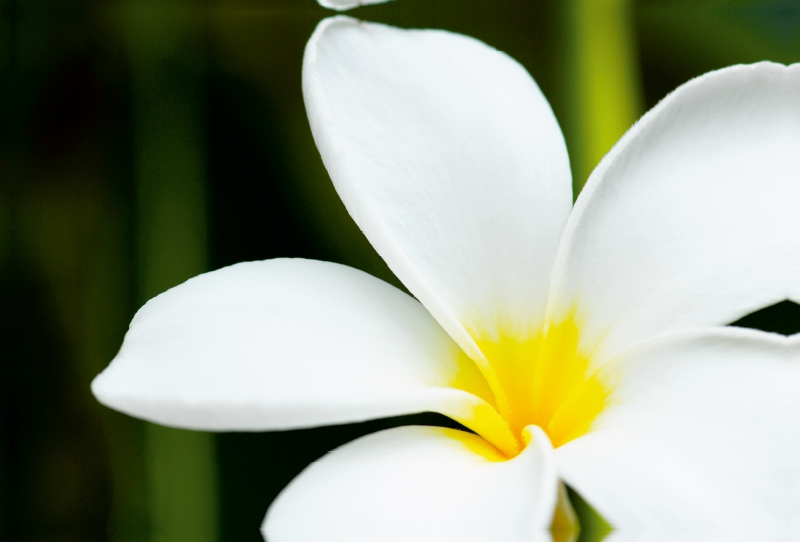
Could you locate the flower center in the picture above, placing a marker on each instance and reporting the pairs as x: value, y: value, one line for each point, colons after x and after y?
x: 543, y: 380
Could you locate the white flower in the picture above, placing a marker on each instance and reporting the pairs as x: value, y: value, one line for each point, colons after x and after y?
x: 592, y: 330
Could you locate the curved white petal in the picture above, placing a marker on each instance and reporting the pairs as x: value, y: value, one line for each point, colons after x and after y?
x: 419, y: 483
x: 284, y: 343
x: 450, y: 160
x: 692, y: 219
x: 341, y: 5
x: 702, y: 434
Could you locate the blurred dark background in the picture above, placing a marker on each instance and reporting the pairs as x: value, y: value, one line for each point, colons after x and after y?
x: 145, y: 141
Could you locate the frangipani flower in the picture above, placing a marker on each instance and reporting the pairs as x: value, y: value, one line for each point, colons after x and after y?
x: 576, y: 345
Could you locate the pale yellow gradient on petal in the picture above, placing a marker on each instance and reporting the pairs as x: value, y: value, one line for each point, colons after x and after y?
x: 481, y: 415
x: 543, y: 379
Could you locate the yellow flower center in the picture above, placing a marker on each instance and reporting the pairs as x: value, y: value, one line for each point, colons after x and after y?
x: 543, y: 380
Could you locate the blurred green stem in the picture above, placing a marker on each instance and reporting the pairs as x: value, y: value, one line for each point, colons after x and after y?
x: 605, y: 87
x: 165, y: 43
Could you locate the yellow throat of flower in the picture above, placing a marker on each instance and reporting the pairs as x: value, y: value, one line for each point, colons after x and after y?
x: 543, y: 380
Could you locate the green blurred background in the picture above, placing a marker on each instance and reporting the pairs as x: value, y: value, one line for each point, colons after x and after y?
x: 143, y: 142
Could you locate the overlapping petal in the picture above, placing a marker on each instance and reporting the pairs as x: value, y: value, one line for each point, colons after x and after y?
x: 419, y: 483
x: 692, y: 219
x: 286, y: 343
x: 450, y: 160
x: 702, y: 436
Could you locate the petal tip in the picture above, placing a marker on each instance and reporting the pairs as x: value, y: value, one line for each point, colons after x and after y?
x: 105, y: 388
x: 343, y: 5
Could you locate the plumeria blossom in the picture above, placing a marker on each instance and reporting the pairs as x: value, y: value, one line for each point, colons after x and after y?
x: 579, y: 345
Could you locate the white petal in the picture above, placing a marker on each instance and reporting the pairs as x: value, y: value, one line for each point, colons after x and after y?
x: 421, y: 484
x: 692, y: 219
x: 284, y: 343
x: 702, y: 434
x: 714, y: 535
x: 342, y: 5
x: 450, y: 160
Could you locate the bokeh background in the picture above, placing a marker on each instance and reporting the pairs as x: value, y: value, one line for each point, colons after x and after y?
x: 145, y: 141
